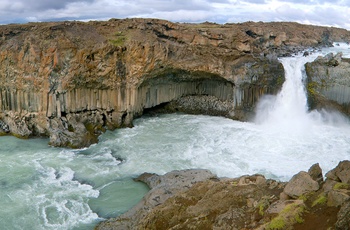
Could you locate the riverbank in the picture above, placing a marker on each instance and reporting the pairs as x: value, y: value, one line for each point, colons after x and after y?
x: 197, y: 199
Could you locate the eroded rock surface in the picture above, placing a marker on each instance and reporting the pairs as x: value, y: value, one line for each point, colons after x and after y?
x: 300, y: 184
x: 328, y: 83
x: 197, y: 199
x: 71, y: 80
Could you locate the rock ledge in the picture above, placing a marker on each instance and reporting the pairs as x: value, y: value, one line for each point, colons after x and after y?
x: 197, y: 199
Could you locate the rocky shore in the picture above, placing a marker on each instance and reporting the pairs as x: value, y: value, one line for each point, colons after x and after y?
x: 70, y: 81
x: 197, y: 199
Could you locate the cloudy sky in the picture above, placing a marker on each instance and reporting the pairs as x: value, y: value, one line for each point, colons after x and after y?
x: 317, y: 12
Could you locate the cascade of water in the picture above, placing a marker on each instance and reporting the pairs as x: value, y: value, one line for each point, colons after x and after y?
x: 288, y: 110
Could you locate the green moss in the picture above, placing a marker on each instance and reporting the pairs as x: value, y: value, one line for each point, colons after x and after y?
x: 311, y: 88
x: 306, y: 196
x: 276, y: 224
x: 312, y: 94
x: 70, y: 128
x: 90, y: 127
x: 341, y: 186
x: 234, y: 183
x: 280, y: 80
x: 302, y: 197
x: 299, y: 219
x: 289, y: 216
x: 119, y: 40
x: 261, y: 210
x: 19, y: 136
x: 321, y: 199
x: 262, y: 207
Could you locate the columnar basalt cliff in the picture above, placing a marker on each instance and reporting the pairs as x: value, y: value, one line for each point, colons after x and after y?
x: 328, y: 83
x: 72, y: 80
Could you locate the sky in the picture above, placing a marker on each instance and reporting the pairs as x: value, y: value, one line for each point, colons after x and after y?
x: 317, y: 12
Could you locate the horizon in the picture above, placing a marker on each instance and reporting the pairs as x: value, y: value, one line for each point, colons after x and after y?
x: 313, y: 12
x: 201, y: 22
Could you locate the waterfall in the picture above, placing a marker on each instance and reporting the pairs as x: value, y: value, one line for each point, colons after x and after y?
x: 288, y: 110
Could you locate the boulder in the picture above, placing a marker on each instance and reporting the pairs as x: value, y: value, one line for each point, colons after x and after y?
x: 278, y: 206
x: 4, y: 127
x: 341, y: 173
x: 343, y: 222
x: 17, y: 125
x: 337, y: 198
x: 329, y: 185
x: 315, y: 172
x: 300, y: 184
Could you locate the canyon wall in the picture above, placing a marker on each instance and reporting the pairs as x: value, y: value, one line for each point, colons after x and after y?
x: 328, y: 83
x: 71, y: 81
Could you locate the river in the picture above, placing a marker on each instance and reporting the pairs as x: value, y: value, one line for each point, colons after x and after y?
x: 42, y: 187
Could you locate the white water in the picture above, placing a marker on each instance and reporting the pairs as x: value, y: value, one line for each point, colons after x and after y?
x: 288, y: 110
x: 51, y: 188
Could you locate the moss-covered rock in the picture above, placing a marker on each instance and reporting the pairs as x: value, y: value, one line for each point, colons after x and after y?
x: 196, y: 199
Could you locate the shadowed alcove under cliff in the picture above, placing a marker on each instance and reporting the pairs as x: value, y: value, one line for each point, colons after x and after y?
x: 185, y: 91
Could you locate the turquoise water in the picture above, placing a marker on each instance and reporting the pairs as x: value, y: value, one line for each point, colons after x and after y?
x: 53, y: 188
x: 50, y: 188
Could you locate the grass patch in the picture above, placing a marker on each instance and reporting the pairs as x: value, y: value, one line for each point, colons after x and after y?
x: 276, y: 224
x: 306, y: 196
x: 341, y: 186
x: 119, y: 39
x: 289, y: 216
x: 262, y: 206
x: 321, y: 199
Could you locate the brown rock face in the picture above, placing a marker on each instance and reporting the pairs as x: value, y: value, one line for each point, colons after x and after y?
x: 300, y: 184
x: 315, y: 172
x: 328, y: 83
x: 71, y: 80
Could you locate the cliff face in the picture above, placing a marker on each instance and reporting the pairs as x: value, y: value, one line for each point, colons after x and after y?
x: 71, y: 80
x: 329, y: 83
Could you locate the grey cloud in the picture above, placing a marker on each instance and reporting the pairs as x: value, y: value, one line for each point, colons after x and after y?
x: 47, y: 4
x: 255, y: 1
x: 37, y: 5
x: 218, y: 1
x: 172, y: 5
x: 314, y: 2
